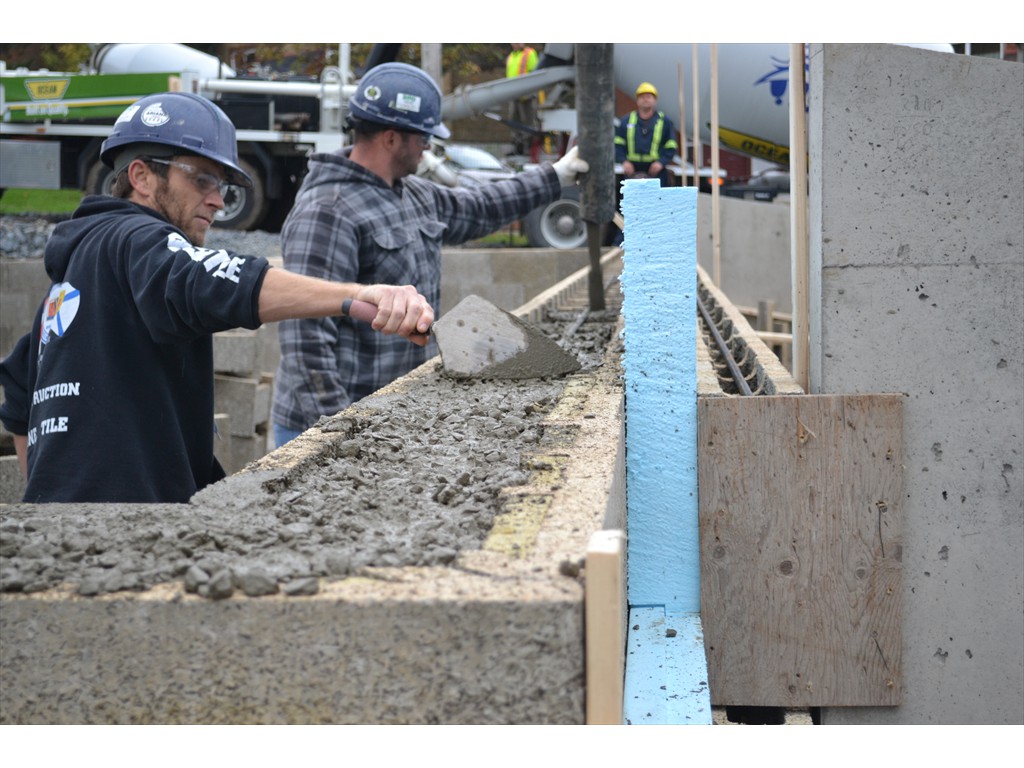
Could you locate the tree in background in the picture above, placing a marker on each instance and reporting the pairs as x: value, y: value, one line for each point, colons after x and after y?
x: 461, y: 60
x: 462, y: 64
x: 57, y: 57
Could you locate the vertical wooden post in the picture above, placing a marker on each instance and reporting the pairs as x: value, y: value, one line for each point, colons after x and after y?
x: 606, y: 613
x: 698, y: 154
x: 682, y: 125
x: 430, y: 58
x: 765, y: 315
x: 798, y: 214
x: 716, y: 237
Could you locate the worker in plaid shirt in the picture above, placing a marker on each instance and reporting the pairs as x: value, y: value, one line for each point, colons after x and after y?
x: 362, y: 215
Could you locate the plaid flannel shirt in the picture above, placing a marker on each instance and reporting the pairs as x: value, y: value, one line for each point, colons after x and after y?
x: 348, y: 225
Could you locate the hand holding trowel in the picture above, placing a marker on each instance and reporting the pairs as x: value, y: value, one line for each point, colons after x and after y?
x: 480, y: 340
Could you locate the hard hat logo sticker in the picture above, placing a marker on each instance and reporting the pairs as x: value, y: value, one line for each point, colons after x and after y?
x: 407, y: 102
x: 128, y: 114
x: 371, y: 92
x: 154, y: 116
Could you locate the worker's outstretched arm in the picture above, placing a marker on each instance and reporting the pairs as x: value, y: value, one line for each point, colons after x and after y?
x: 401, y: 309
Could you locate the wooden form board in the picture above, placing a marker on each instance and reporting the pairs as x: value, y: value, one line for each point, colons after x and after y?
x: 606, y: 613
x: 800, y: 501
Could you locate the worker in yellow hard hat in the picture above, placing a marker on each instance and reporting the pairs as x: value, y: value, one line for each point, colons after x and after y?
x: 645, y: 140
x: 646, y: 88
x: 522, y: 112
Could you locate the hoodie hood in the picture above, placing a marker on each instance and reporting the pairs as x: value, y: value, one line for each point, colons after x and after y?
x: 68, y: 234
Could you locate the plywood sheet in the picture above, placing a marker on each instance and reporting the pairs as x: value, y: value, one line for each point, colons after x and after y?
x: 801, y: 548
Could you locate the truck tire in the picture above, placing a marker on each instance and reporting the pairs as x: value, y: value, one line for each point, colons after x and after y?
x: 244, y: 209
x: 100, y: 179
x: 557, y: 224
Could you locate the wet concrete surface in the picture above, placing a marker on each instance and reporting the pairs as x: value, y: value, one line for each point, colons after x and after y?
x: 416, y: 478
x: 479, y: 340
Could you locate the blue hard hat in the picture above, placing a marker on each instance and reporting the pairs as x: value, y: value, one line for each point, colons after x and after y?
x: 399, y: 95
x: 178, y: 121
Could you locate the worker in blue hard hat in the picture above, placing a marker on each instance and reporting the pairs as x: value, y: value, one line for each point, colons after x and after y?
x: 110, y: 395
x: 363, y: 214
x: 645, y: 141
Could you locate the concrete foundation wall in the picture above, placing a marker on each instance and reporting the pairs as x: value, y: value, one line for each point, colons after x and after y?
x: 497, y: 638
x: 917, y: 276
x: 754, y: 256
x: 508, y: 277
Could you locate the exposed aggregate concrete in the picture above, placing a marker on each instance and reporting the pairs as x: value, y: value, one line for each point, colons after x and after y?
x: 417, y: 478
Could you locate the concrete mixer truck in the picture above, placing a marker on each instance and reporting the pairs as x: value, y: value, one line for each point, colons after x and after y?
x: 52, y: 123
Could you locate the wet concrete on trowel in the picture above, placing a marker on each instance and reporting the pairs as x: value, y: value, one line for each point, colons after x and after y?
x: 414, y: 476
x: 479, y: 340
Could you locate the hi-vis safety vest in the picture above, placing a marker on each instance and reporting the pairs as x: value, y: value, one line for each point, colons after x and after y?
x: 653, y: 152
x: 520, y: 62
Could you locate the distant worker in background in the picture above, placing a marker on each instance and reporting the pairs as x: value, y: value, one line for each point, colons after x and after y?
x: 363, y: 214
x: 110, y: 395
x: 645, y: 141
x: 521, y: 61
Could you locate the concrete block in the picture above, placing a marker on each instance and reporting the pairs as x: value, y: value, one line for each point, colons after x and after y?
x: 23, y: 284
x: 237, y: 352
x: 242, y: 352
x: 222, y: 440
x: 245, y: 400
x: 269, y: 349
x: 12, y: 485
x: 244, y: 449
x: 507, y: 277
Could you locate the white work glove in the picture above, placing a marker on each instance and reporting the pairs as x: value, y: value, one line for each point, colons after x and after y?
x: 433, y: 167
x: 429, y: 161
x: 569, y: 166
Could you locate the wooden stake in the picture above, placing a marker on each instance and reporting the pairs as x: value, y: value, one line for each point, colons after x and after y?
x: 682, y: 124
x: 715, y: 215
x: 698, y: 155
x: 798, y: 214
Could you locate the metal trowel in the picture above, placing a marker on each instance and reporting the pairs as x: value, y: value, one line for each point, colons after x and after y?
x: 480, y: 340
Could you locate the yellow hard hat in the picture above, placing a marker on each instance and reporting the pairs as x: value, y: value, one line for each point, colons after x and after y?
x: 647, y: 88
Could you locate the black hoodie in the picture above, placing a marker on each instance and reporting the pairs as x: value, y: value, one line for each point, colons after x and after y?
x: 114, y: 383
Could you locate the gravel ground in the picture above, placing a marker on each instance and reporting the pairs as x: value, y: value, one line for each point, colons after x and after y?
x: 24, y: 237
x: 417, y: 479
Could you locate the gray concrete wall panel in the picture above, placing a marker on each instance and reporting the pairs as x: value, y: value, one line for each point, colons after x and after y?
x: 917, y: 285
x: 755, y: 249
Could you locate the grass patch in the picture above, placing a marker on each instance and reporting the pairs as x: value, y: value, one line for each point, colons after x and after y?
x: 22, y: 201
x: 507, y: 237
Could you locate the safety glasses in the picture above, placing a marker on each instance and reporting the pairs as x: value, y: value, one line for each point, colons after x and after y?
x: 204, y: 182
x: 423, y: 138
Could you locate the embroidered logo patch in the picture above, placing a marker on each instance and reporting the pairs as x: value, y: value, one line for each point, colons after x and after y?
x: 61, y: 308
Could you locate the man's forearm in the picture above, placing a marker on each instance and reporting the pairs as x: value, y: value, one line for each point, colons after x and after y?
x: 400, y: 309
x: 21, y: 449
